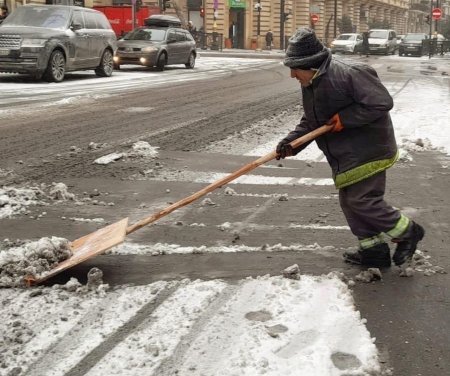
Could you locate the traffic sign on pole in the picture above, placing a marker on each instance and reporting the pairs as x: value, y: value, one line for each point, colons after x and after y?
x: 314, y: 18
x: 436, y: 13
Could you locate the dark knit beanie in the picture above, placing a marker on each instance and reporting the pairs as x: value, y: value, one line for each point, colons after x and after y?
x: 305, y: 51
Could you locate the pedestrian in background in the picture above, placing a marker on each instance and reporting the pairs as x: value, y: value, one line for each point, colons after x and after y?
x: 192, y: 29
x: 4, y: 14
x: 365, y: 43
x: 359, y: 147
x: 269, y: 39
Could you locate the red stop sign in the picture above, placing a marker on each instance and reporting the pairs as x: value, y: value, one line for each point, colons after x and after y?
x: 314, y: 18
x: 437, y: 13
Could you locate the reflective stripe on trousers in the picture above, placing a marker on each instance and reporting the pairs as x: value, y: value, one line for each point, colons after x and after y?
x: 368, y: 214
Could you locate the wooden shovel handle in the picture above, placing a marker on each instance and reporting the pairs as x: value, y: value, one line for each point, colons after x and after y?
x: 219, y: 183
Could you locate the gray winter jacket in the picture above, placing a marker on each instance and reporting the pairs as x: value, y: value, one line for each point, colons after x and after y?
x: 367, y: 143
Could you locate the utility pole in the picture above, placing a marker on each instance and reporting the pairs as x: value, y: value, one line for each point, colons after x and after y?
x: 133, y: 14
x: 430, y: 52
x: 258, y: 25
x: 335, y: 19
x: 282, y: 19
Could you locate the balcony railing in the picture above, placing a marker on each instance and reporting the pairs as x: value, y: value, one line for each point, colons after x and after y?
x: 209, y: 41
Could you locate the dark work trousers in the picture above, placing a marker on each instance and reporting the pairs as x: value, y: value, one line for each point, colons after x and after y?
x: 364, y: 207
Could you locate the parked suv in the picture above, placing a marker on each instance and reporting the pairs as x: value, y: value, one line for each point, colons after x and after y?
x: 347, y: 43
x: 412, y: 44
x: 161, y: 42
x: 382, y: 41
x: 49, y: 40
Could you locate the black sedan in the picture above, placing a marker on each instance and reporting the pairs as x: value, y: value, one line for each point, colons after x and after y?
x: 413, y: 44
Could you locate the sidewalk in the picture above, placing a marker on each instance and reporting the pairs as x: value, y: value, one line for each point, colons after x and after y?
x: 272, y: 54
x: 234, y: 52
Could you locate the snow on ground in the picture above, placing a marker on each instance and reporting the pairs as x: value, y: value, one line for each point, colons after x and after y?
x: 263, y: 326
x: 20, y: 200
x: 140, y: 149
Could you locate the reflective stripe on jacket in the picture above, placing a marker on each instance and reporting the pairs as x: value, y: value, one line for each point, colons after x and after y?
x: 367, y: 143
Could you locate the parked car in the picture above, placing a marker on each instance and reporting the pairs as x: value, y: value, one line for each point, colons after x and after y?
x: 162, y: 42
x: 382, y: 41
x: 347, y: 43
x: 413, y: 44
x: 49, y: 40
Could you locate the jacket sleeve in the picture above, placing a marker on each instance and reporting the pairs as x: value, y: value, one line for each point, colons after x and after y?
x: 299, y: 131
x: 371, y: 100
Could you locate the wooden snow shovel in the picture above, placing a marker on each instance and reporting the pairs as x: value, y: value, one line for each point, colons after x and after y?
x: 107, y: 237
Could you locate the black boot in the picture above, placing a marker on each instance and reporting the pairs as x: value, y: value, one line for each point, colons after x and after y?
x: 377, y: 256
x: 407, y: 244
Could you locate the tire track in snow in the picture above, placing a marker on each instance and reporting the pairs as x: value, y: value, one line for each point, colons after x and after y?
x: 95, y: 324
x: 119, y: 335
x: 156, y: 338
x: 170, y: 365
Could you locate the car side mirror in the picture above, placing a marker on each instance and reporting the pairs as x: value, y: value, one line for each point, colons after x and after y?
x: 75, y: 26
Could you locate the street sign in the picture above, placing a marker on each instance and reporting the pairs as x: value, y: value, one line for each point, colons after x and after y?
x: 437, y: 13
x: 314, y: 18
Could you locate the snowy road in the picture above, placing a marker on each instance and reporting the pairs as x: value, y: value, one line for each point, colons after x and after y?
x: 20, y: 90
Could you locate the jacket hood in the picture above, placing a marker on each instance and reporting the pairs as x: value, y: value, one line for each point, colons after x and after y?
x: 326, y: 63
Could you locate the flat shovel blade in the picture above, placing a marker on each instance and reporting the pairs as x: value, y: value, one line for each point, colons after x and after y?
x: 87, y: 247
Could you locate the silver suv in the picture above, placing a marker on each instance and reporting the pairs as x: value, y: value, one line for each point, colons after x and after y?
x: 161, y: 42
x: 46, y: 41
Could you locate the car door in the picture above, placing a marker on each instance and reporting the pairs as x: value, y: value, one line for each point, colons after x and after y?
x: 106, y: 32
x: 183, y: 47
x: 358, y: 45
x: 172, y: 47
x: 95, y: 38
x: 79, y: 57
x: 188, y: 46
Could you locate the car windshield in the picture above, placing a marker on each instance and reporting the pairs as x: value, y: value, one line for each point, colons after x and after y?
x: 146, y: 34
x: 379, y: 34
x: 415, y: 37
x: 39, y: 16
x: 346, y: 37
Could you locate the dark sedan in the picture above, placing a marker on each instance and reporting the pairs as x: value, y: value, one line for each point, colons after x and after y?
x: 413, y: 44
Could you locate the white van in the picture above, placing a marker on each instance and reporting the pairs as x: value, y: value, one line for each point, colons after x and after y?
x: 382, y: 41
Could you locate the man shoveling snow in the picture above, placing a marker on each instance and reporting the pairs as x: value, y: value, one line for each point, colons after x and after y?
x: 351, y: 99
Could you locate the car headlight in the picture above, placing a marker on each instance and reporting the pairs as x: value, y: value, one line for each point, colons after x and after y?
x: 149, y: 49
x: 33, y: 42
x: 332, y: 44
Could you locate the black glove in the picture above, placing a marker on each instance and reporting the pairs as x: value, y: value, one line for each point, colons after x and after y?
x: 284, y: 150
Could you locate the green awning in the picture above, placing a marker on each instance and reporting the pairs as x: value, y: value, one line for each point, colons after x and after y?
x: 237, y: 3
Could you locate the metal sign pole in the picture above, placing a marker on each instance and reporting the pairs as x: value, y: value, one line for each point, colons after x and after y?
x: 133, y: 14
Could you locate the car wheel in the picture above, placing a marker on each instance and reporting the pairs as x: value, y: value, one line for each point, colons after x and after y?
x: 191, y: 62
x: 160, y: 64
x: 56, y: 67
x: 105, y: 68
